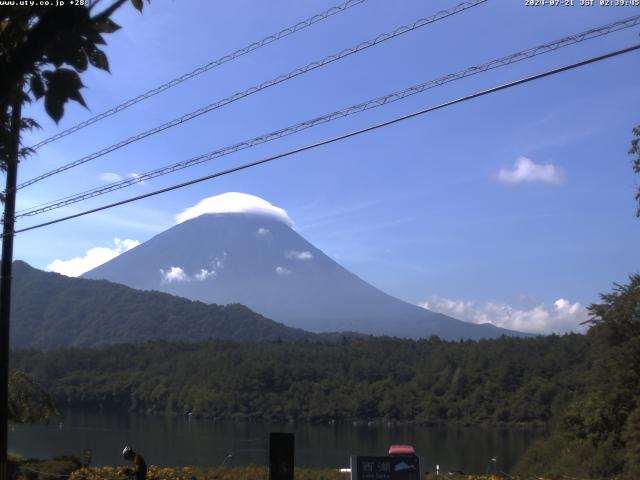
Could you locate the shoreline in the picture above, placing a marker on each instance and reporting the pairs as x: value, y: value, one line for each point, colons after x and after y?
x: 375, y: 422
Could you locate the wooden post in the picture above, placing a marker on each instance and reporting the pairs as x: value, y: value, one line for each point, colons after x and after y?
x: 281, y: 456
x: 5, y: 276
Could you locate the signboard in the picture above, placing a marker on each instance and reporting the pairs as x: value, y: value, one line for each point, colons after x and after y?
x: 397, y: 467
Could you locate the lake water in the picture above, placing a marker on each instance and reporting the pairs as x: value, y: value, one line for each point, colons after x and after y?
x: 178, y: 441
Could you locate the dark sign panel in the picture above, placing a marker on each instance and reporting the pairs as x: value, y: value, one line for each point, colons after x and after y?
x: 397, y: 467
x: 281, y: 455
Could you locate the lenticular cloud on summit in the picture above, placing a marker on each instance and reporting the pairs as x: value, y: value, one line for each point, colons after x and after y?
x: 234, y: 202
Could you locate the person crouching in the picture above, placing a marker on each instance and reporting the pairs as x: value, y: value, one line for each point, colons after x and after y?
x: 139, y: 470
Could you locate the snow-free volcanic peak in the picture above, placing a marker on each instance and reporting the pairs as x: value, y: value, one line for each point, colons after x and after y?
x: 238, y: 248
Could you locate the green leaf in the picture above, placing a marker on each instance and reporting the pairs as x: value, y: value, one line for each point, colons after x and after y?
x: 26, y: 152
x: 28, y: 124
x: 37, y: 87
x: 78, y: 60
x: 63, y: 85
x: 62, y: 81
x: 137, y: 4
x: 106, y: 25
x: 98, y: 59
x: 94, y: 38
x: 54, y: 106
x: 77, y: 96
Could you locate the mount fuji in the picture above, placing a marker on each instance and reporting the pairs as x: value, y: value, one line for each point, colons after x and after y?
x: 237, y: 248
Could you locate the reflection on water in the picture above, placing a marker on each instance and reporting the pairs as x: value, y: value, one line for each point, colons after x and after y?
x: 179, y: 441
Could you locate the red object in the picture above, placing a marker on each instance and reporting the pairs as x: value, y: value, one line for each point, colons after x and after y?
x: 401, y: 450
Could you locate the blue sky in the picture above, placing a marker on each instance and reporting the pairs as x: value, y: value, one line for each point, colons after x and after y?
x: 417, y: 209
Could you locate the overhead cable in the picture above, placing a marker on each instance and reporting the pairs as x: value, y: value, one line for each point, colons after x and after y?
x: 338, y: 138
x: 204, y: 68
x: 257, y: 88
x: 368, y: 105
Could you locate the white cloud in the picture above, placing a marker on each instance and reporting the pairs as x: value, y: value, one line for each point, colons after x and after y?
x: 204, y: 274
x: 234, y: 202
x: 177, y: 274
x: 115, y: 177
x: 137, y: 176
x: 263, y: 232
x: 218, y: 262
x: 110, y: 177
x: 93, y: 258
x: 559, y: 317
x: 174, y: 274
x: 525, y: 170
x: 294, y: 255
x: 283, y: 271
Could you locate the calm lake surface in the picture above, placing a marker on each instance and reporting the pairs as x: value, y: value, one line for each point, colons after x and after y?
x: 177, y: 441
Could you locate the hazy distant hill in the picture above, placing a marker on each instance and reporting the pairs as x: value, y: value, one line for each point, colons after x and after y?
x: 51, y: 311
x: 261, y: 262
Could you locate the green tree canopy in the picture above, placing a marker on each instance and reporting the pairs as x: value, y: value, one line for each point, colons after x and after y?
x: 29, y: 402
x: 635, y: 150
x: 598, y: 435
x: 43, y: 51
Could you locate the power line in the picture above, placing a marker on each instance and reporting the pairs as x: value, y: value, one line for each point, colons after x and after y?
x: 257, y: 88
x: 204, y: 68
x: 340, y: 137
x: 370, y: 104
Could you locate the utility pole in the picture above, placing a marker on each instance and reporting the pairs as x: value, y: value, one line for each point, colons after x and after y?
x: 6, y: 271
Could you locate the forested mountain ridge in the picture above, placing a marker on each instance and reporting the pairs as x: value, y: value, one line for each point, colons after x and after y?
x: 52, y: 311
x: 506, y: 380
